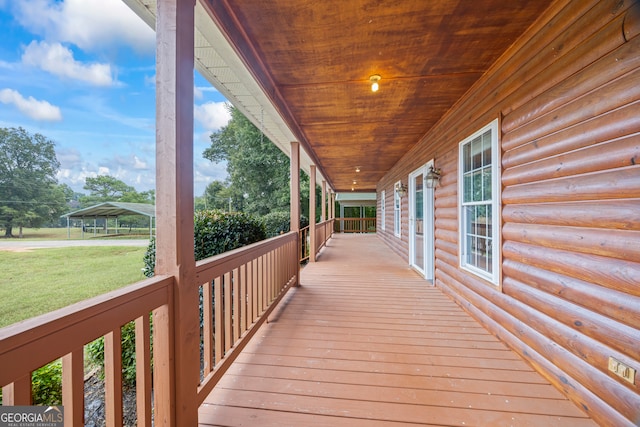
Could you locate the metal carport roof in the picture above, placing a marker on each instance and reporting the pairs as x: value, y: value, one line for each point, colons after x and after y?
x: 114, y: 209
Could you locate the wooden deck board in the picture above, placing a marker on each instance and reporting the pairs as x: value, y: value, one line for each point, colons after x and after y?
x: 366, y: 341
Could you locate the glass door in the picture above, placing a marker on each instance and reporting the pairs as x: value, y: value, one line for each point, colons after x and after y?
x: 418, y: 221
x: 421, y: 219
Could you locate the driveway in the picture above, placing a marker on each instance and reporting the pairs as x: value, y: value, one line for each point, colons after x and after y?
x: 25, y: 245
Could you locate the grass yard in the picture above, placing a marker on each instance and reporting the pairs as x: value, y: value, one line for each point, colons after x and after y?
x: 43, y: 280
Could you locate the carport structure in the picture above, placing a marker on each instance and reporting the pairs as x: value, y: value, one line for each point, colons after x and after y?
x: 115, y: 210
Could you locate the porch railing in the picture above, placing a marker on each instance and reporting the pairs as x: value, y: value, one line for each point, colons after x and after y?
x: 239, y: 289
x: 323, y: 234
x: 355, y: 225
x: 303, y: 239
x: 29, y: 345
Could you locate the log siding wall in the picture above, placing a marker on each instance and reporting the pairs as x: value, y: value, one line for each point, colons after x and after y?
x: 568, y: 98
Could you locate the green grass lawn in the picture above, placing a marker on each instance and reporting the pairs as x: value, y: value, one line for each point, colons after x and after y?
x: 43, y: 280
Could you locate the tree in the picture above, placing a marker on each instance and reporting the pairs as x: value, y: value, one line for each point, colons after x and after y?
x: 104, y: 188
x: 29, y: 194
x: 258, y: 170
x: 216, y: 196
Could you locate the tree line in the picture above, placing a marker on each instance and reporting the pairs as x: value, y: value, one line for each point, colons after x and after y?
x: 30, y: 195
x: 257, y: 183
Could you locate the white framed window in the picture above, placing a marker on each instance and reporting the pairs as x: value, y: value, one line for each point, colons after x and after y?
x: 397, y: 210
x: 479, y: 202
x: 383, y: 209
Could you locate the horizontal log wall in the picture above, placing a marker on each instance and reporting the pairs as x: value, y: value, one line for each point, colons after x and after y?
x: 568, y: 98
x: 398, y: 244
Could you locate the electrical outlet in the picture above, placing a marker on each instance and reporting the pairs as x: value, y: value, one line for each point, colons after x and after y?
x: 625, y: 372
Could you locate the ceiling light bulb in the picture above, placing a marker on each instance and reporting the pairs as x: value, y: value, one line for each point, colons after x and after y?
x: 357, y: 168
x: 374, y: 79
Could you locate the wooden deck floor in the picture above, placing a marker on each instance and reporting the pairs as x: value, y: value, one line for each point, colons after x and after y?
x: 366, y: 342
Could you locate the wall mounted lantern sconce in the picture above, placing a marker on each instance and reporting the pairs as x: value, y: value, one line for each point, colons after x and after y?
x: 432, y: 178
x: 401, y: 190
x: 374, y: 82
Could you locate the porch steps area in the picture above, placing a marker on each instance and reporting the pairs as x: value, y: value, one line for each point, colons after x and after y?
x: 365, y: 341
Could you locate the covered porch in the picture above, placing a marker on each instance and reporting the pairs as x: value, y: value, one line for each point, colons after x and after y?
x: 365, y: 340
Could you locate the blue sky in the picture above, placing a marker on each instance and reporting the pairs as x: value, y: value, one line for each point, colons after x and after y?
x: 82, y: 73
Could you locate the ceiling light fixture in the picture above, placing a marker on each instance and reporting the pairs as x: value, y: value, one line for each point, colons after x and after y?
x: 357, y: 169
x: 374, y: 79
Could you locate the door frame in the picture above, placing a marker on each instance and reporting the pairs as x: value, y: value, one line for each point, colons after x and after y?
x: 429, y: 223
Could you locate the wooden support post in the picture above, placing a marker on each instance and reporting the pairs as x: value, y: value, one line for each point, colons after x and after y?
x: 294, y: 217
x: 312, y: 213
x: 333, y: 205
x: 295, y: 187
x: 323, y: 211
x: 177, y: 405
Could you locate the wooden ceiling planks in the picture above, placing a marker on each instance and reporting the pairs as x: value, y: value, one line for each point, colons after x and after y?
x: 314, y: 60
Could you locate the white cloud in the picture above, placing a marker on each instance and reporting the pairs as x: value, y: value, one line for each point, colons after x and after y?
x: 68, y: 157
x: 150, y: 80
x: 58, y: 60
x: 91, y: 25
x: 197, y: 92
x: 139, y: 164
x: 212, y: 115
x: 31, y: 107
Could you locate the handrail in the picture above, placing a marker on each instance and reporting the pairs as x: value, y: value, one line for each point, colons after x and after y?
x: 28, y: 345
x: 356, y: 225
x: 239, y: 289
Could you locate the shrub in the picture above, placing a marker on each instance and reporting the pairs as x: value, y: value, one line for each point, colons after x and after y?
x: 215, y: 232
x: 278, y: 222
x: 95, y: 354
x: 46, y: 384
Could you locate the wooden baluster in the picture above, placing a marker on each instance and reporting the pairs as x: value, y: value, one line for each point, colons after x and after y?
x: 243, y: 299
x: 163, y: 374
x: 18, y: 393
x: 207, y: 327
x: 113, y: 377
x: 236, y: 305
x: 228, y: 333
x: 73, y: 388
x: 143, y: 371
x: 218, y: 314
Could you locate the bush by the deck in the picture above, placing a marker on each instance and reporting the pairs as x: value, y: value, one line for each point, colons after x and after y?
x: 215, y: 232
